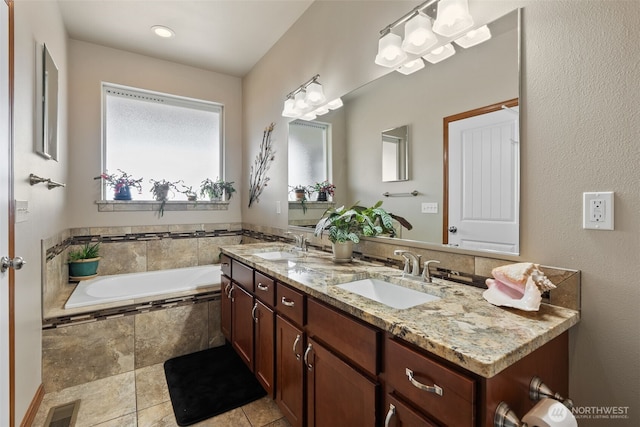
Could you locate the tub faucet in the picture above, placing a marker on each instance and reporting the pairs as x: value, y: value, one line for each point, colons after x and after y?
x: 409, y: 257
x: 301, y: 241
x: 426, y: 276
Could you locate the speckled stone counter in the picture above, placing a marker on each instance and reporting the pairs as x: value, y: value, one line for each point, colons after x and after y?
x: 461, y: 327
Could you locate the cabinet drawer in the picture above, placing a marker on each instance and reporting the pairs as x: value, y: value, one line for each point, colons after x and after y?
x: 225, y: 265
x: 290, y: 303
x: 242, y: 275
x: 265, y: 289
x: 454, y: 407
x: 356, y: 341
x: 397, y: 413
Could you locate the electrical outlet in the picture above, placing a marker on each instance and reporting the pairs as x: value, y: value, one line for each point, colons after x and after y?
x: 597, y: 210
x: 431, y: 208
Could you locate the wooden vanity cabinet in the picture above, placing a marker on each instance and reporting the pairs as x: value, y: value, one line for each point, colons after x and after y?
x: 225, y: 307
x: 290, y: 370
x: 242, y: 324
x: 263, y: 339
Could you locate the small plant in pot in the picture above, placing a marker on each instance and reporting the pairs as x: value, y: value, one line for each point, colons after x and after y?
x: 324, y: 189
x: 192, y: 196
x: 162, y: 190
x: 121, y: 184
x: 345, y: 226
x: 217, y: 190
x: 300, y: 193
x: 83, y: 262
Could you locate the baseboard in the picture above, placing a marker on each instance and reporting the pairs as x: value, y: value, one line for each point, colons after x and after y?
x: 30, y: 415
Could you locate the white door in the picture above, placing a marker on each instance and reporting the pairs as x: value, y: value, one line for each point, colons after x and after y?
x: 484, y: 171
x: 4, y: 212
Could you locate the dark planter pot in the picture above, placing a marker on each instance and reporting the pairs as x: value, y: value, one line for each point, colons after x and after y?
x: 83, y: 269
x: 123, y: 193
x: 322, y: 196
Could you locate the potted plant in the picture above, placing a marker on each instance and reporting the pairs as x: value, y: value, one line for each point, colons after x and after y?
x: 300, y: 195
x: 217, y: 190
x: 121, y: 184
x: 323, y: 189
x: 162, y: 191
x: 345, y: 226
x: 189, y: 192
x: 83, y: 262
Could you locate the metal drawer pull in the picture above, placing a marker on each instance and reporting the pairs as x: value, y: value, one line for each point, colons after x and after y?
x: 287, y: 302
x: 295, y: 345
x: 226, y: 290
x: 306, y: 358
x: 231, y: 292
x: 253, y: 313
x: 225, y: 264
x: 390, y: 414
x: 431, y: 389
x: 262, y: 287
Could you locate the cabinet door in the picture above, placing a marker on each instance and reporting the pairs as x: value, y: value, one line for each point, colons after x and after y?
x: 337, y: 395
x: 290, y: 371
x: 225, y: 307
x: 264, y: 320
x: 242, y: 324
x: 399, y: 414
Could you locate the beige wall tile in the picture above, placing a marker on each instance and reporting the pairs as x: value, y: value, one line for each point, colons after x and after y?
x: 215, y: 333
x: 80, y: 353
x: 163, y: 334
x: 171, y: 253
x: 122, y: 257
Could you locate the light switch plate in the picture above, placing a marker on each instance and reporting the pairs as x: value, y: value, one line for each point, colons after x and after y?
x: 22, y: 210
x: 431, y: 208
x: 597, y: 210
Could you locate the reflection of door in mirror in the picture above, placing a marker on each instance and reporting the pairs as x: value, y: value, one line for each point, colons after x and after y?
x: 394, y: 154
x: 482, y: 170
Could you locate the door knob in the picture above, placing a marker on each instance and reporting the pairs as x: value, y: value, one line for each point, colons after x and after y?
x: 453, y: 229
x: 6, y: 263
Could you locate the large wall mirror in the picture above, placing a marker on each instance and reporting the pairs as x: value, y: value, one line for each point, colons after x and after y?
x: 47, y: 130
x: 484, y: 75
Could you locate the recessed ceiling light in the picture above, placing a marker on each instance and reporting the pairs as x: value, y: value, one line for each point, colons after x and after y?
x: 162, y: 31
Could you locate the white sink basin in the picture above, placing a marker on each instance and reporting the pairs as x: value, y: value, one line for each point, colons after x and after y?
x: 277, y: 255
x: 387, y: 293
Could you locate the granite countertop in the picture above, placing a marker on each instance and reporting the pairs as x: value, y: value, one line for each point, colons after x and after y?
x: 461, y: 327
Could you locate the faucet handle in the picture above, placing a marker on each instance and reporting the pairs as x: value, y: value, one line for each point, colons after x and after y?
x: 406, y: 259
x: 426, y: 276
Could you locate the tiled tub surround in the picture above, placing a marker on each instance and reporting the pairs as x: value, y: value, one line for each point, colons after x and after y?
x: 461, y: 327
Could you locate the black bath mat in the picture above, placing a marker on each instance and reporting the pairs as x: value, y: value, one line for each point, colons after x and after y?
x: 208, y: 383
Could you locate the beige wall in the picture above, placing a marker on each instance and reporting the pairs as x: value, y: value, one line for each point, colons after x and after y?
x: 36, y: 22
x: 579, y: 133
x: 91, y: 64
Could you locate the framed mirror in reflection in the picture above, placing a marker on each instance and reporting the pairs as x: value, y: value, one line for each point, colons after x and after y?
x: 484, y: 75
x: 47, y: 129
x: 395, y: 154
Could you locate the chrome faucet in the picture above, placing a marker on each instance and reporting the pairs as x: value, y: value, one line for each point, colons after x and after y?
x: 301, y: 241
x: 426, y: 276
x: 409, y: 257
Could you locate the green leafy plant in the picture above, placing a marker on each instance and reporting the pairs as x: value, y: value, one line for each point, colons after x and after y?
x: 349, y: 224
x: 191, y: 194
x: 123, y: 179
x: 87, y: 251
x: 161, y: 190
x: 217, y: 189
x: 301, y: 192
x: 323, y: 187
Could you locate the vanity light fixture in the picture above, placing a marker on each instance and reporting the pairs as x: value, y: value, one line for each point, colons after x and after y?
x: 163, y: 31
x: 308, y: 101
x: 453, y: 17
x: 474, y: 37
x: 440, y: 53
x: 411, y: 66
x: 390, y: 53
x: 418, y: 37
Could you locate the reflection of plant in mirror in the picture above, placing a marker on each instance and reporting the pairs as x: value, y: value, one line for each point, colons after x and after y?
x: 349, y: 224
x: 323, y: 188
x: 300, y: 192
x: 215, y: 190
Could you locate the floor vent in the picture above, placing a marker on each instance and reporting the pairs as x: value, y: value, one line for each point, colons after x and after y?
x: 63, y: 415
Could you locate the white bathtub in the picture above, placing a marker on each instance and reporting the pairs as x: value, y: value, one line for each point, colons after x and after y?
x: 122, y: 287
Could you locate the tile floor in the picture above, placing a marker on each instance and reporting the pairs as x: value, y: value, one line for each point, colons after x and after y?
x: 140, y: 398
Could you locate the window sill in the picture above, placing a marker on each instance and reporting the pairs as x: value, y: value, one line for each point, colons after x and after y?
x: 310, y: 204
x: 152, y: 205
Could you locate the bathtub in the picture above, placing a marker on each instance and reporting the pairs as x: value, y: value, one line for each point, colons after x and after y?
x: 122, y: 287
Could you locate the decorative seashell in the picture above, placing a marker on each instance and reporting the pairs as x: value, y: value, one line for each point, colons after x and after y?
x: 517, y: 285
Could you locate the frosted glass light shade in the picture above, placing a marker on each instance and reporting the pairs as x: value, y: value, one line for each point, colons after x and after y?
x: 289, y: 108
x: 390, y: 53
x: 323, y: 109
x: 418, y: 37
x: 335, y: 104
x: 301, y: 103
x: 453, y: 17
x: 315, y: 95
x: 474, y: 37
x: 440, y: 54
x: 411, y: 66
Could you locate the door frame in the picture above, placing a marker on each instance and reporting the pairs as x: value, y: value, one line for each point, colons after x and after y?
x: 460, y: 116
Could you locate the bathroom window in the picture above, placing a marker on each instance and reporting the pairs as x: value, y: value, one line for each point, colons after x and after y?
x: 157, y: 136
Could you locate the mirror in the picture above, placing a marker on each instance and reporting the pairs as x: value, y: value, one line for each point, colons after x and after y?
x: 395, y: 154
x: 482, y: 75
x: 48, y: 139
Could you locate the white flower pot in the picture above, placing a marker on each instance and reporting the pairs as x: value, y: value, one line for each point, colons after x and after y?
x: 342, y: 252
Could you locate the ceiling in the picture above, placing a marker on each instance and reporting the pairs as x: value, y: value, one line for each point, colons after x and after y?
x: 226, y: 36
